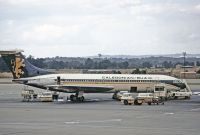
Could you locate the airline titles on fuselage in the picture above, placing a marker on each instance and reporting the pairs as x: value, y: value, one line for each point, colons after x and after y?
x: 126, y: 78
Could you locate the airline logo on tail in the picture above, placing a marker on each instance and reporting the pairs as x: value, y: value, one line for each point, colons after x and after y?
x: 17, y: 66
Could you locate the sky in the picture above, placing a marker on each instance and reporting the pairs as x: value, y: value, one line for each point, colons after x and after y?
x: 76, y: 28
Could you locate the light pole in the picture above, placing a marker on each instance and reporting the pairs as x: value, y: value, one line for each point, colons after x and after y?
x: 99, y: 55
x: 184, y: 55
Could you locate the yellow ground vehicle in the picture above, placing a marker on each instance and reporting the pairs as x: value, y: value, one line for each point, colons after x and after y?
x: 148, y: 98
x: 129, y: 99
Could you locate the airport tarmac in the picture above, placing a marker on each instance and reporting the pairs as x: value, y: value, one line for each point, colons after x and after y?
x: 103, y: 116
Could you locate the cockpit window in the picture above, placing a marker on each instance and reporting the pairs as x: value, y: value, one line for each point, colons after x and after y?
x: 177, y: 81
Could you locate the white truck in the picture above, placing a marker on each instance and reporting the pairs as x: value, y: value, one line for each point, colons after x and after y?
x: 28, y: 95
x: 160, y: 91
x: 119, y: 94
x: 129, y: 99
x: 180, y: 94
x: 46, y: 97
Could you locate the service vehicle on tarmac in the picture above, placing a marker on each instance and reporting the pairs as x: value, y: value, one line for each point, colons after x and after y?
x: 118, y: 95
x: 46, y: 97
x: 28, y: 95
x: 129, y: 99
x: 180, y: 94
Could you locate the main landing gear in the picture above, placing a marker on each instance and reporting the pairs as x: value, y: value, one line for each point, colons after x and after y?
x: 78, y: 97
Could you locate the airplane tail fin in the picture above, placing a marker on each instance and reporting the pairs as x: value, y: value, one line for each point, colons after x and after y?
x: 19, y: 65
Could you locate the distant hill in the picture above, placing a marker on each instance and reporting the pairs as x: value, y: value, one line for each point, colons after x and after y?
x: 178, y: 55
x: 112, y: 61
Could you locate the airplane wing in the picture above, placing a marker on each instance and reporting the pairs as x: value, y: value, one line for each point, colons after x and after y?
x: 47, y: 84
x: 85, y: 89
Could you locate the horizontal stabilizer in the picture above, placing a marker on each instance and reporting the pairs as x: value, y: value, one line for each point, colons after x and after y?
x: 10, y: 51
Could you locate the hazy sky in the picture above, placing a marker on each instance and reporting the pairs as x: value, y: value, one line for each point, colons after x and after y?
x: 46, y: 28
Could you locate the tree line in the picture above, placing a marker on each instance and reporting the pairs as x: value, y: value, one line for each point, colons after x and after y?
x: 104, y: 63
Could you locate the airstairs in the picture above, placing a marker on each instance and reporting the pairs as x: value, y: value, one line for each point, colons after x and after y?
x: 187, y: 86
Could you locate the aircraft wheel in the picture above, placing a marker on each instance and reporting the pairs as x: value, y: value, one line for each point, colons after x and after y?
x: 149, y: 103
x: 72, y: 97
x: 81, y: 98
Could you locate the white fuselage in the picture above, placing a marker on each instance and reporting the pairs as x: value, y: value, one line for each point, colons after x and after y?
x: 117, y: 81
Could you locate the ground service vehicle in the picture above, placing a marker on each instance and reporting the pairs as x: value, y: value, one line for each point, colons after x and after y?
x: 180, y: 94
x: 46, y: 97
x: 118, y: 95
x: 28, y: 95
x: 129, y: 99
x: 160, y: 91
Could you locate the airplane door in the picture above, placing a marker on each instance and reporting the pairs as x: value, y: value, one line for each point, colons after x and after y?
x: 133, y: 90
x: 58, y: 80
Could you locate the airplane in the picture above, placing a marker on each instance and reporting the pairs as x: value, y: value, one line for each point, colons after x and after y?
x: 25, y: 73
